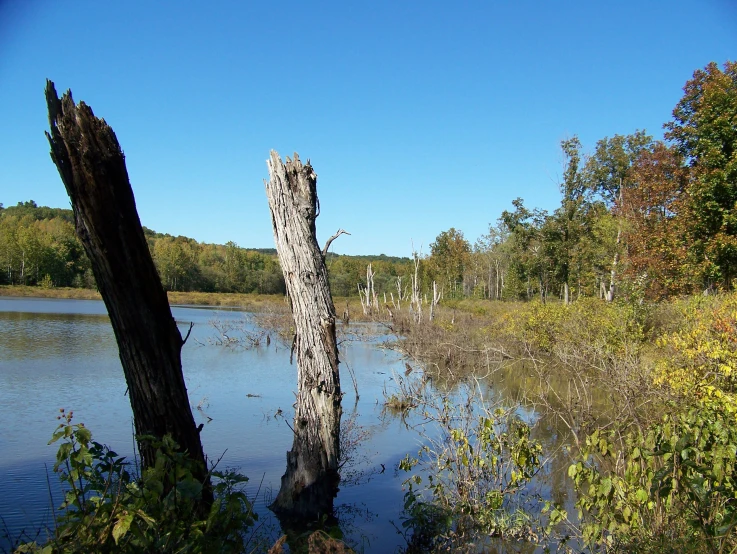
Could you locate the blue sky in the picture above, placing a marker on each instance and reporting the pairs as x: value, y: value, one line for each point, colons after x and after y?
x: 417, y: 116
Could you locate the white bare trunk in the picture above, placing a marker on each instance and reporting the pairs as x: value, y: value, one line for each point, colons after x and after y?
x: 311, y: 478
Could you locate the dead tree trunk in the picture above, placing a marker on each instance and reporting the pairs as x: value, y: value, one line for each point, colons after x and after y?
x: 92, y: 166
x: 435, y: 299
x: 310, y: 482
x: 613, y: 274
x: 367, y: 294
x: 416, y: 302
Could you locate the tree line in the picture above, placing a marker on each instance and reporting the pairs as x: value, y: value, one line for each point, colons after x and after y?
x: 637, y: 217
x: 38, y: 246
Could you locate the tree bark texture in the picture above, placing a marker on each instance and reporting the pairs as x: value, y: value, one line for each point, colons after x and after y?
x: 311, y: 478
x: 92, y: 166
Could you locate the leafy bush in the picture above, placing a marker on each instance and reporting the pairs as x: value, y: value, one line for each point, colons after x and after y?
x: 671, y: 488
x: 106, y: 509
x: 587, y: 323
x: 701, y: 355
x: 473, y: 464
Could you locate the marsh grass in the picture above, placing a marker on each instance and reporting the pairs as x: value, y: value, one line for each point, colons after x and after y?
x: 54, y: 292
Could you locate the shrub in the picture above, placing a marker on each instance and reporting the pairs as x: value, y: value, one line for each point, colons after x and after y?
x: 475, y: 462
x: 701, y: 355
x: 106, y: 509
x: 674, y: 484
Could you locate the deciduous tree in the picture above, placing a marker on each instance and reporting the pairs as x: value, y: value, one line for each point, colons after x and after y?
x: 654, y: 233
x: 449, y: 256
x: 704, y: 129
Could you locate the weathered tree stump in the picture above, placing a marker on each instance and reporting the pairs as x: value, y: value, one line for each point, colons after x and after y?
x: 92, y: 166
x: 310, y: 482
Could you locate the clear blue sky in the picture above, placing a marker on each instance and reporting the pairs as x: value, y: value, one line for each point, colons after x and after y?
x: 417, y: 116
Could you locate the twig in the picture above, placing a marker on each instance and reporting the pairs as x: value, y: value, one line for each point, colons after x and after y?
x: 331, y: 239
x: 191, y: 324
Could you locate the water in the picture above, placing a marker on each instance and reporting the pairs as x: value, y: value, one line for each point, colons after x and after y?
x: 62, y: 354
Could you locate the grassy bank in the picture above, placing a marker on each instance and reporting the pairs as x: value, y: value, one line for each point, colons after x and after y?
x: 247, y: 301
x: 55, y: 292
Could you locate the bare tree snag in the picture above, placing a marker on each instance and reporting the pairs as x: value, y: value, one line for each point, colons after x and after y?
x: 311, y: 478
x: 367, y: 293
x: 330, y: 241
x: 613, y: 274
x: 92, y: 166
x: 415, y: 304
x: 436, y: 296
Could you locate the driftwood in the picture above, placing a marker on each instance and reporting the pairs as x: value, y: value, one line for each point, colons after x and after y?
x: 311, y: 478
x: 92, y: 166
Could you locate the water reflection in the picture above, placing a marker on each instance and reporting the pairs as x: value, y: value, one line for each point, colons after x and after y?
x: 62, y: 353
x: 56, y: 354
x: 28, y: 335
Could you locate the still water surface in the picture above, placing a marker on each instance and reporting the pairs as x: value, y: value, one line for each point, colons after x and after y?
x: 62, y: 354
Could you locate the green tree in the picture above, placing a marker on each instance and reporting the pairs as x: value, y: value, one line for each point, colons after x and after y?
x: 493, y: 255
x: 529, y: 267
x: 176, y: 260
x: 566, y: 226
x: 9, y: 250
x: 449, y: 256
x: 608, y: 172
x: 704, y: 129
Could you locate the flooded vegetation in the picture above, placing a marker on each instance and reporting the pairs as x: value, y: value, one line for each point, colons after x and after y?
x: 461, y: 434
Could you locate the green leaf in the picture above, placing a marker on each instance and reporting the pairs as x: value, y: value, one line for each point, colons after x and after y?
x: 83, y: 434
x: 190, y: 488
x: 62, y: 454
x: 57, y: 435
x: 121, y: 526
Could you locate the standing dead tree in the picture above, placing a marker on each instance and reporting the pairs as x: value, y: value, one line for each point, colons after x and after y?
x: 436, y: 296
x: 92, y: 166
x: 401, y: 294
x: 310, y: 482
x: 367, y: 293
x: 415, y: 304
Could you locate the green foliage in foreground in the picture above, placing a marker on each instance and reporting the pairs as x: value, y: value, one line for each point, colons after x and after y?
x: 648, y: 394
x: 106, y: 509
x: 470, y: 476
x: 673, y: 485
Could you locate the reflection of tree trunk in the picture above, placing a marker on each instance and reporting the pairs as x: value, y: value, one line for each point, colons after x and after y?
x: 92, y: 166
x: 310, y: 481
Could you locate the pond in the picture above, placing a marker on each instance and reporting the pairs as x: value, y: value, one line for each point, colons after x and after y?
x: 62, y: 354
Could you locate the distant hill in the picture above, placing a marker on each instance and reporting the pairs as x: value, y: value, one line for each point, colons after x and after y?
x: 38, y: 245
x: 38, y: 213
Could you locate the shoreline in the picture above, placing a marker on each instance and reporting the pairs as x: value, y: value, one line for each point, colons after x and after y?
x: 247, y: 302
x: 175, y: 297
